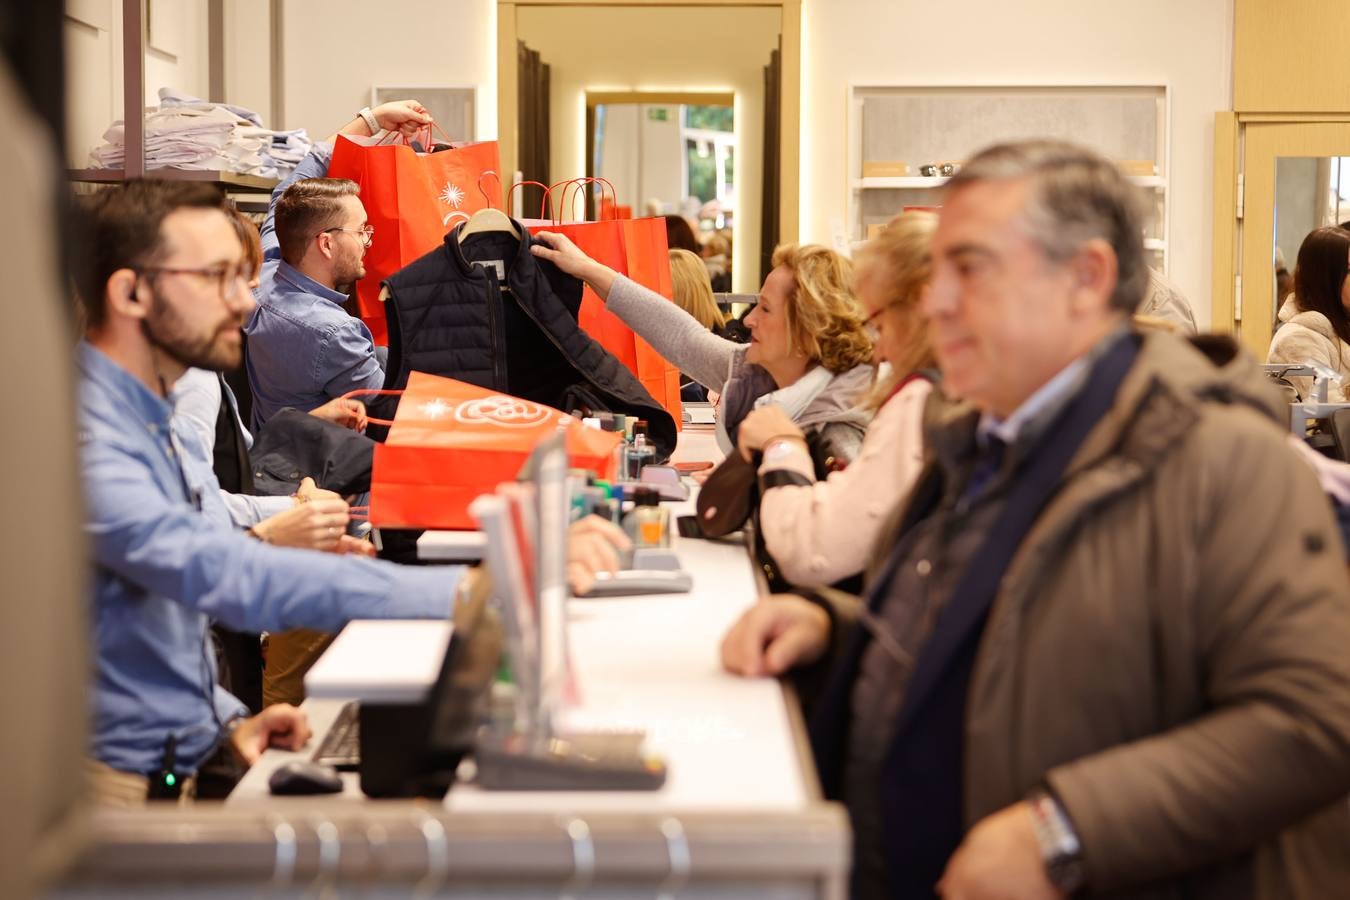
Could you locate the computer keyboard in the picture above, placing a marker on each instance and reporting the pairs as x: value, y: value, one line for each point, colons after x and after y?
x: 341, y: 746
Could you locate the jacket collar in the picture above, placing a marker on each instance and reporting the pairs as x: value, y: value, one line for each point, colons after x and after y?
x: 455, y: 250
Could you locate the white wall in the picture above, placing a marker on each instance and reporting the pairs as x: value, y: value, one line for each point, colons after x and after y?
x: 248, y: 56
x: 337, y: 50
x: 661, y: 49
x: 1187, y: 45
x: 176, y: 58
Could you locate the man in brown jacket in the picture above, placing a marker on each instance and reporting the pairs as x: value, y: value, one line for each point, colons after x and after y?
x: 1105, y: 647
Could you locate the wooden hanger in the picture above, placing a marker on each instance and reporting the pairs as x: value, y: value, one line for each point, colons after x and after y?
x: 488, y: 220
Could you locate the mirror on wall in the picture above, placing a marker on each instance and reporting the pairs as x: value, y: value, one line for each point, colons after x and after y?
x: 677, y: 106
x: 1310, y: 192
x: 676, y: 160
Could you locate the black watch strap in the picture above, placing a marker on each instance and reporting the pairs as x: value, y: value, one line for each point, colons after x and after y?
x: 781, y: 477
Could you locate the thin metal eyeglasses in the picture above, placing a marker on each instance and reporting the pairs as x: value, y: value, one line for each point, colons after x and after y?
x: 870, y: 326
x: 227, y: 278
x: 367, y: 233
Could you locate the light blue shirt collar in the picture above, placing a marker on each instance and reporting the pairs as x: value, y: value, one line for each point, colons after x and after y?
x: 306, y: 285
x: 1050, y: 396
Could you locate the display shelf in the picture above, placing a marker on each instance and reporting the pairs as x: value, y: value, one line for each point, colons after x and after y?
x: 895, y: 128
x: 231, y: 181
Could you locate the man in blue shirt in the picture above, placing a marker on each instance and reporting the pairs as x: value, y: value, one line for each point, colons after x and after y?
x: 165, y: 290
x: 303, y: 347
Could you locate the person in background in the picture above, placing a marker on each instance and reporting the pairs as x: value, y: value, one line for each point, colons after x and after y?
x: 1314, y: 324
x: 820, y: 532
x: 166, y: 290
x: 808, y: 351
x: 304, y: 349
x: 717, y: 257
x: 1103, y: 647
x: 1284, y: 280
x: 680, y: 235
x: 693, y: 293
x: 197, y: 402
x: 1163, y: 300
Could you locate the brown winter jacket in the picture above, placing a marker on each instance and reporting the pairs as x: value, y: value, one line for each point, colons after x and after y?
x: 1170, y: 647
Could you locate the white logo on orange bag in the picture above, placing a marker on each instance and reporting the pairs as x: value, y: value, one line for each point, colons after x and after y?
x: 452, y: 195
x: 434, y: 409
x: 501, y: 410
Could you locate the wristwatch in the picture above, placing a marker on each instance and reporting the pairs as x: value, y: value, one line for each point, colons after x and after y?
x: 1061, y: 850
x: 779, y: 448
x: 371, y: 122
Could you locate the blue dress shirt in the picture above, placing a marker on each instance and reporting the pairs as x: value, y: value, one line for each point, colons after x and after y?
x: 304, y: 349
x: 167, y: 560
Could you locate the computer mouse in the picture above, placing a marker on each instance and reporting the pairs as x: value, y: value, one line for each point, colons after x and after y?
x: 303, y: 777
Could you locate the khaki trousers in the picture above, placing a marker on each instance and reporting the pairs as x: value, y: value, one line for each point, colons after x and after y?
x: 115, y: 789
x: 287, y: 656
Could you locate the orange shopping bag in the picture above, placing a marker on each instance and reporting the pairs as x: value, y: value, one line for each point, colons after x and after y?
x: 636, y: 248
x: 451, y: 441
x: 412, y: 199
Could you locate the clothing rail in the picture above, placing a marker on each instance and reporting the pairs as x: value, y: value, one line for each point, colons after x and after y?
x: 306, y: 846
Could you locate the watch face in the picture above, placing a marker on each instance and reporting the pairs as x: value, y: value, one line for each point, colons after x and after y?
x: 778, y: 450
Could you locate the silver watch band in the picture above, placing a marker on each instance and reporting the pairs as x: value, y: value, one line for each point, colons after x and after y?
x: 371, y: 122
x: 1061, y: 850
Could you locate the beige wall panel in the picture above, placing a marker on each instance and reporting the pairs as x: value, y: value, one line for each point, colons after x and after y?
x: 1291, y: 57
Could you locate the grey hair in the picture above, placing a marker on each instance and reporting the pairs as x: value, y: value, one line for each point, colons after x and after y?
x: 1076, y: 195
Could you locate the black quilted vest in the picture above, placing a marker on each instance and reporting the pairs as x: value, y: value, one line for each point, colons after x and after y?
x: 448, y: 316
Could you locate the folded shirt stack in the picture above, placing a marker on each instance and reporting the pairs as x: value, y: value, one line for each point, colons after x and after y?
x: 189, y: 133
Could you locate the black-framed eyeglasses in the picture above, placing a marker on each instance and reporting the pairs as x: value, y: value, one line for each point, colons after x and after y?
x: 366, y: 232
x: 227, y: 278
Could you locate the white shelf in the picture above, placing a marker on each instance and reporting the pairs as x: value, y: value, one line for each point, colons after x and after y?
x: 1155, y: 244
x: 908, y: 182
x: 921, y: 183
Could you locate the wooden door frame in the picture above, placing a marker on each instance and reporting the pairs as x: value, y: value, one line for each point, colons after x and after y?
x: 789, y: 149
x: 1243, y: 259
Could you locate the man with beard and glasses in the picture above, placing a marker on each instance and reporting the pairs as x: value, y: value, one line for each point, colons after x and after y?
x: 164, y: 289
x: 303, y: 347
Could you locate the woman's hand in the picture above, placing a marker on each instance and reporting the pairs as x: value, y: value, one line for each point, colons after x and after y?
x: 559, y: 250
x: 762, y: 426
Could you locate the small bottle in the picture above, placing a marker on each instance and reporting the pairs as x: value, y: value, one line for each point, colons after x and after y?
x: 648, y: 522
x: 639, y: 454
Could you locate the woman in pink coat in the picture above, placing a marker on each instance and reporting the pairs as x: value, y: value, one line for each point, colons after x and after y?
x: 819, y: 532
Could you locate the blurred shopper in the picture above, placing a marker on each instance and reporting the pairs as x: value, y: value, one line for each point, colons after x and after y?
x: 693, y: 293
x: 1314, y: 323
x: 1103, y: 645
x: 819, y: 532
x: 808, y: 350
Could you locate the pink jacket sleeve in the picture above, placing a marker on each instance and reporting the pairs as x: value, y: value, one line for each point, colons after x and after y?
x: 820, y: 533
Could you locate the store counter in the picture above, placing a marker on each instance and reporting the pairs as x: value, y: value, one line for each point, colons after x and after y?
x: 740, y: 814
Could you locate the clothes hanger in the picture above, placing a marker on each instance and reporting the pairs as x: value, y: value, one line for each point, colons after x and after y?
x: 488, y: 220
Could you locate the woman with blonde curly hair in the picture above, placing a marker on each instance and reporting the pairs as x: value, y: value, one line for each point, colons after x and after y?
x: 819, y: 532
x: 808, y: 351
